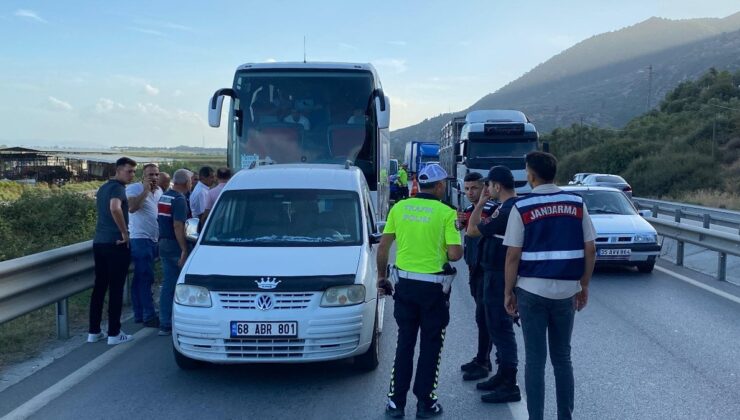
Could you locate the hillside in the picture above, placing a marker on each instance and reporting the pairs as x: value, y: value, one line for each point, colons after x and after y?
x: 690, y: 142
x: 604, y: 79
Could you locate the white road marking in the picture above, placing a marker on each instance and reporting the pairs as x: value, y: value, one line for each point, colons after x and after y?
x: 519, y: 409
x: 700, y: 285
x: 41, y: 400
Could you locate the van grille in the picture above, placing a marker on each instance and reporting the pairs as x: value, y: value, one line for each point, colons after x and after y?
x: 231, y: 300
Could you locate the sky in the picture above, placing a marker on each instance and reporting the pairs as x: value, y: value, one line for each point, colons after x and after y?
x: 140, y: 73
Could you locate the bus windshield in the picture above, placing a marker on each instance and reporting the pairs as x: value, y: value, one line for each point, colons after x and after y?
x: 303, y: 116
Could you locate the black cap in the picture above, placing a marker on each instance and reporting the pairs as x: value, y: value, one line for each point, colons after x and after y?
x: 502, y: 175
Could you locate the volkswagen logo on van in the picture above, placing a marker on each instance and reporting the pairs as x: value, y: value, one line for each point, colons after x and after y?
x: 264, y: 302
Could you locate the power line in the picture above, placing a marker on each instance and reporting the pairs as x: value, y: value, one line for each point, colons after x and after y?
x: 724, y: 107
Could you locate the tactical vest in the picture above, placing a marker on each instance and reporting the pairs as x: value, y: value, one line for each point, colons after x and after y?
x: 553, y: 236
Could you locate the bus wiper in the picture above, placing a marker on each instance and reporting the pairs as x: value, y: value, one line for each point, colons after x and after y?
x: 499, y: 157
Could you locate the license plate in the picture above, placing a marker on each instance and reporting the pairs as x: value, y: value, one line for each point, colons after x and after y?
x: 264, y: 329
x: 615, y: 252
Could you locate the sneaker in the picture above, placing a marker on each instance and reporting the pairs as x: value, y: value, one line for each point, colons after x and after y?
x: 164, y: 331
x: 152, y: 323
x: 475, y: 363
x: 122, y: 337
x: 505, y: 393
x: 424, y: 411
x: 393, y: 411
x: 94, y: 338
x: 477, y: 372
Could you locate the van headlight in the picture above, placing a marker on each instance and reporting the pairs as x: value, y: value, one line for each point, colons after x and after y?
x: 343, y: 295
x: 646, y: 238
x: 189, y: 295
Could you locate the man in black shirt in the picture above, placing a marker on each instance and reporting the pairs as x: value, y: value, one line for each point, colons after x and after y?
x: 111, y: 254
x: 480, y: 366
x: 499, y: 185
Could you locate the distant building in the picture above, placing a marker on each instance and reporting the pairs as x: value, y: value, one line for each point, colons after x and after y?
x: 61, y: 164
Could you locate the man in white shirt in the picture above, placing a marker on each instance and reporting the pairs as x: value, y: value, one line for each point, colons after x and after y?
x: 144, y: 233
x: 222, y: 175
x: 296, y: 117
x: 199, y: 196
x: 550, y: 259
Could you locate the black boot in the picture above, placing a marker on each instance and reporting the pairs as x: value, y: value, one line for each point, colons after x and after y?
x: 493, y: 382
x: 478, y: 371
x: 507, y: 391
x: 473, y: 364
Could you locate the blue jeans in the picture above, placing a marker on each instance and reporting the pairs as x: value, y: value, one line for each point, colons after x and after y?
x: 169, y: 255
x: 499, y: 323
x: 143, y: 253
x: 547, y: 321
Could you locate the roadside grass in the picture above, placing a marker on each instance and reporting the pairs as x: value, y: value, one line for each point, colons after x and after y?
x: 26, y: 336
x: 710, y: 198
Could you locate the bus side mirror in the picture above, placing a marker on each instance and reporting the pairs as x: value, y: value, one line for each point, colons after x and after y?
x: 216, y: 104
x: 457, y: 148
x: 383, y: 110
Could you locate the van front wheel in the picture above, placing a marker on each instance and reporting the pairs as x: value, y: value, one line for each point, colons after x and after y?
x: 370, y: 359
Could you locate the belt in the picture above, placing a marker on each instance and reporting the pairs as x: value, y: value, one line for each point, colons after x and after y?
x: 430, y: 278
x: 499, y: 236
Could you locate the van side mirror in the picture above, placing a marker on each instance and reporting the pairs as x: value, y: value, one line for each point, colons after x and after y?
x: 191, y: 229
x: 375, y: 237
x: 380, y: 227
x: 645, y: 213
x: 215, y: 105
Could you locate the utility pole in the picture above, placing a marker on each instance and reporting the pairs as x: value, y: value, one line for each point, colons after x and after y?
x: 714, y: 134
x: 650, y: 87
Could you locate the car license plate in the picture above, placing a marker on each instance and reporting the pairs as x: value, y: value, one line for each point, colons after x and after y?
x: 615, y: 252
x: 264, y: 329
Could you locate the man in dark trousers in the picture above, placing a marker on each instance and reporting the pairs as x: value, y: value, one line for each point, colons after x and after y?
x: 550, y: 259
x: 111, y: 253
x: 500, y: 186
x: 424, y: 228
x: 480, y: 366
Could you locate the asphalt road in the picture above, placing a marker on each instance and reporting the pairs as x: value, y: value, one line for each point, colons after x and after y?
x: 646, y: 347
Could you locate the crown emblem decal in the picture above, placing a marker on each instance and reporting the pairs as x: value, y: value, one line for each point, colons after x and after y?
x: 267, y: 283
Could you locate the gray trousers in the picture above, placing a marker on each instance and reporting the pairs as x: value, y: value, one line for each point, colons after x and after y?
x: 547, y: 323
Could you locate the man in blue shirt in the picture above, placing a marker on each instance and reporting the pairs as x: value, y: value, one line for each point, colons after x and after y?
x: 111, y: 254
x: 173, y: 248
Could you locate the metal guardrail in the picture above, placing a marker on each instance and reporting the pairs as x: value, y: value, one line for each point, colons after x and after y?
x: 706, y: 215
x: 34, y: 281
x: 722, y: 242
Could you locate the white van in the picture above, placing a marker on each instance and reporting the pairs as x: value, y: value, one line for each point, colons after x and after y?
x: 283, y: 271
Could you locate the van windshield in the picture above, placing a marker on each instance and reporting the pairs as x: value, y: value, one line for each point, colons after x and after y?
x: 285, y: 217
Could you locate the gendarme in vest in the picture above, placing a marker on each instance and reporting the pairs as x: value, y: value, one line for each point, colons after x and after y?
x: 553, y: 236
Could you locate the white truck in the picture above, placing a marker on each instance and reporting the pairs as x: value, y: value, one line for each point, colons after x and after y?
x: 483, y: 139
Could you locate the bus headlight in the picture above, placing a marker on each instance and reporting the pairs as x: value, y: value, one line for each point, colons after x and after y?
x: 343, y: 295
x: 188, y: 295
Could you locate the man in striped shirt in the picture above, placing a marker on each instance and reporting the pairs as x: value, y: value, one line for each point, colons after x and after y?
x: 550, y: 259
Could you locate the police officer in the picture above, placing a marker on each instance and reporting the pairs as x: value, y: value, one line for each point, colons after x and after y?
x: 550, y: 259
x: 500, y: 186
x: 403, y: 180
x: 480, y: 366
x: 424, y: 228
